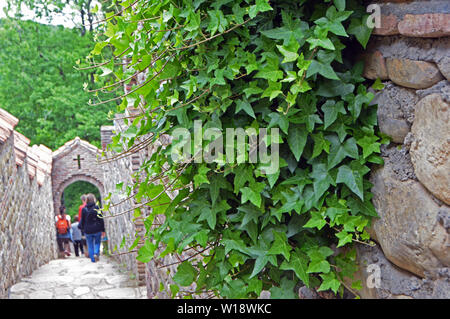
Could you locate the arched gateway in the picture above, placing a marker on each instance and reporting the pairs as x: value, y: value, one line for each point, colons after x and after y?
x: 76, y: 160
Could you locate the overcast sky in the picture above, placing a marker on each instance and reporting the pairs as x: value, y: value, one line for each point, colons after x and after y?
x: 64, y: 18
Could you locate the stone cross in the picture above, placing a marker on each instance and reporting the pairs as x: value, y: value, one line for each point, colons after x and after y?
x: 78, y: 159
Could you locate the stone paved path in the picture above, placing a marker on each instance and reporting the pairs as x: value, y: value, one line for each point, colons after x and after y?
x: 78, y: 278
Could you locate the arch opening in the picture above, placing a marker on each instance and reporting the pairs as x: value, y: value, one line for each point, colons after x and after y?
x: 70, y: 196
x: 59, y: 196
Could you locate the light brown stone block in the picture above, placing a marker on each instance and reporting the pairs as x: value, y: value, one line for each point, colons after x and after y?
x: 388, y: 25
x: 412, y: 73
x: 430, y: 147
x: 430, y: 25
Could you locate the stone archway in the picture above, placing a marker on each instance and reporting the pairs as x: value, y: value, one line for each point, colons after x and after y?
x: 76, y: 160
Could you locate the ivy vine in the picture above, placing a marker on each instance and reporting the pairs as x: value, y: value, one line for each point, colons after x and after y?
x: 249, y: 64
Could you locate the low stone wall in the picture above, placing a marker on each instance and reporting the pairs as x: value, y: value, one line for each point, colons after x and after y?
x: 27, y: 231
x: 411, y: 54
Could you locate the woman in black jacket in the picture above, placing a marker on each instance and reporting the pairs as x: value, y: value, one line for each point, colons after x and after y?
x: 93, y: 226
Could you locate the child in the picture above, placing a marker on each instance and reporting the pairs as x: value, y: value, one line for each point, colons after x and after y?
x: 76, y: 235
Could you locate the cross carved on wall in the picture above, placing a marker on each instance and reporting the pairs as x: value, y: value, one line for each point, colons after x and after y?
x: 78, y: 159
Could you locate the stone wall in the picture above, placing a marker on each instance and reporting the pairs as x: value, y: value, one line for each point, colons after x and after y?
x: 76, y: 160
x: 120, y: 222
x: 27, y: 231
x: 410, y: 53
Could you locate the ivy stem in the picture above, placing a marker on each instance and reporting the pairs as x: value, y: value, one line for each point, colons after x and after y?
x: 213, y: 37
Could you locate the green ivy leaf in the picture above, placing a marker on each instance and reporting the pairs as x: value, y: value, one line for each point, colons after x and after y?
x: 323, y: 69
x: 377, y: 85
x: 289, y: 56
x: 340, y: 4
x: 320, y: 144
x: 260, y: 6
x: 369, y: 145
x: 185, y: 274
x: 297, y: 139
x: 329, y: 281
x: 244, y: 105
x: 299, y: 264
x: 316, y: 221
x: 352, y: 178
x: 340, y: 151
x: 344, y: 238
x: 201, y: 177
x: 285, y: 291
x: 280, y: 245
x: 359, y: 28
x: 253, y: 194
x: 331, y: 110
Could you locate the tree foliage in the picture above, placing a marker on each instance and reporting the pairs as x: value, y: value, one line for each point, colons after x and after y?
x: 72, y: 194
x: 83, y: 12
x: 251, y: 64
x: 39, y: 85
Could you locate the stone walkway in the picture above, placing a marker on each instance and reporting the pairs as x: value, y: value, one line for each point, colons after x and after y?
x: 78, y: 278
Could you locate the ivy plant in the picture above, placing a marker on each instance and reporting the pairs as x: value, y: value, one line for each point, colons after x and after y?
x: 247, y: 64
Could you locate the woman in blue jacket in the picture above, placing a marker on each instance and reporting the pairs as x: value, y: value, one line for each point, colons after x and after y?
x: 93, y: 226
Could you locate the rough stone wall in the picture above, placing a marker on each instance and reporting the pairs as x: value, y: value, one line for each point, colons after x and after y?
x: 159, y: 272
x: 410, y: 53
x: 120, y: 221
x: 27, y: 232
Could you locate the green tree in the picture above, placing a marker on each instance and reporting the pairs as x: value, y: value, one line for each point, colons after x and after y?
x: 40, y: 86
x: 84, y: 13
x: 72, y: 194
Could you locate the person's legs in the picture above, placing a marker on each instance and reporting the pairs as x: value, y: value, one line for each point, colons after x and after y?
x: 90, y: 244
x: 97, y: 243
x: 76, y: 244
x: 67, y: 245
x: 82, y: 244
x: 60, y: 244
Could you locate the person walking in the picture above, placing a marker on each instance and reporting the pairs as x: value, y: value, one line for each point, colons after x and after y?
x: 83, y: 204
x: 93, y: 226
x: 83, y: 237
x: 62, y: 223
x: 77, y: 238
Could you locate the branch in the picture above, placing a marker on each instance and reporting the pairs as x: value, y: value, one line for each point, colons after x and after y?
x: 103, y: 63
x: 137, y: 88
x: 131, y: 76
x: 115, y: 15
x: 210, y: 38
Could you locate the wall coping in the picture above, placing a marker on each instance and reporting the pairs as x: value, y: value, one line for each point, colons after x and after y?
x: 38, y: 158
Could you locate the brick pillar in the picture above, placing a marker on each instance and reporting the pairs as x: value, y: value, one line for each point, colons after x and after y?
x: 106, y: 134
